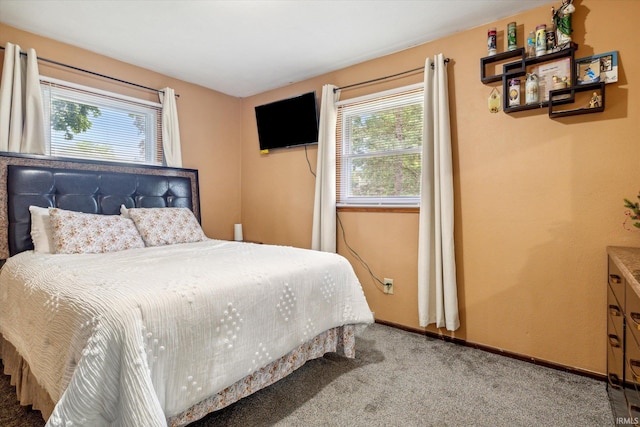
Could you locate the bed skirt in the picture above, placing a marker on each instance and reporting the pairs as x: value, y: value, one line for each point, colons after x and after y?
x: 339, y: 340
x: 28, y: 391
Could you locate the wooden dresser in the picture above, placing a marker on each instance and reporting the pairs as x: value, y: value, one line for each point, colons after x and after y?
x: 623, y: 334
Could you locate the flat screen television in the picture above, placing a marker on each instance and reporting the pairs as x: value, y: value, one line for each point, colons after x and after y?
x: 288, y: 122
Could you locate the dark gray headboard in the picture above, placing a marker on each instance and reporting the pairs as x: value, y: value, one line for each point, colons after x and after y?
x: 91, y: 187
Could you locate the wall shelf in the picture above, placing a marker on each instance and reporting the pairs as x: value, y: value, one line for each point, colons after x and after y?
x: 518, y: 68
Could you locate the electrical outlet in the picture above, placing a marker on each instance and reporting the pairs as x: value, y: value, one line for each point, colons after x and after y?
x: 388, y: 286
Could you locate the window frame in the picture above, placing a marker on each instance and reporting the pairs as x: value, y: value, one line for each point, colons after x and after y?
x: 395, y: 203
x: 153, y: 152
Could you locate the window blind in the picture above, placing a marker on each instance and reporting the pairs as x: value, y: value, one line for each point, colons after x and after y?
x: 100, y: 126
x: 379, y: 144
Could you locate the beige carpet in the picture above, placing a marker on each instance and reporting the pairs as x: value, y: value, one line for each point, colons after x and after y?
x: 403, y: 379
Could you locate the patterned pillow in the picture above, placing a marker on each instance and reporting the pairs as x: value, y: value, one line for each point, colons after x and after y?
x: 167, y: 226
x: 76, y: 233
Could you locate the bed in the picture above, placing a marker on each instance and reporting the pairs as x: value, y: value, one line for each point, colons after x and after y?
x: 109, y: 331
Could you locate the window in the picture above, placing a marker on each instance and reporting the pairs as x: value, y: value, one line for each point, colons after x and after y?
x: 87, y: 123
x: 379, y: 140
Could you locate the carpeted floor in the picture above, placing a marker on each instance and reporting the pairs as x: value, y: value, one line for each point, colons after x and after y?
x: 403, y: 379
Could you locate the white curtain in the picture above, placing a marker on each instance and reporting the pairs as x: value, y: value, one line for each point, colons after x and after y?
x: 324, y: 210
x: 170, y: 128
x: 437, y: 289
x: 21, y: 108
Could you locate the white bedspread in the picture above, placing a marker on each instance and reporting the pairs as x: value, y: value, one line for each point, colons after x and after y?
x: 131, y: 338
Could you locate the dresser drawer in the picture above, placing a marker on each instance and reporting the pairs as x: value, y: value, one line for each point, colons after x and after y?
x: 632, y: 370
x: 615, y: 364
x: 632, y: 353
x: 615, y: 314
x: 632, y: 312
x: 616, y: 282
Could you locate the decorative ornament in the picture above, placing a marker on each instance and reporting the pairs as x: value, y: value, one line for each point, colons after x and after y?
x: 633, y: 213
x: 495, y: 101
x: 595, y: 101
x: 514, y: 92
x: 531, y: 89
x: 562, y: 22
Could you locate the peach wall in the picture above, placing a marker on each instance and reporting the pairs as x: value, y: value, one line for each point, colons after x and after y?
x: 537, y: 200
x: 210, y: 122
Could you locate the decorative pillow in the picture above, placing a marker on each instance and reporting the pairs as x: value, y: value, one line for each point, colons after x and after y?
x: 124, y: 211
x: 167, y: 226
x: 41, y: 233
x: 76, y: 232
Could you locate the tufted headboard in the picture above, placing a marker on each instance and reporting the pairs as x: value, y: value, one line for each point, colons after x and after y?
x: 90, y: 187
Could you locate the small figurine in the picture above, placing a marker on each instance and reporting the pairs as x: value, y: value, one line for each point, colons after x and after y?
x: 495, y: 100
x: 560, y: 82
x: 562, y: 22
x: 594, y: 102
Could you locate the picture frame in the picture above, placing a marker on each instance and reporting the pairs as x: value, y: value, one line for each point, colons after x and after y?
x: 560, y: 69
x: 596, y: 68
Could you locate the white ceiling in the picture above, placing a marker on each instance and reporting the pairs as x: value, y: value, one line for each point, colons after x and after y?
x: 246, y: 47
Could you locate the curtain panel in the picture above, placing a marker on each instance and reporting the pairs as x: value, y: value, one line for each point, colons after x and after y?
x: 170, y: 128
x: 324, y: 209
x: 21, y: 108
x: 437, y: 287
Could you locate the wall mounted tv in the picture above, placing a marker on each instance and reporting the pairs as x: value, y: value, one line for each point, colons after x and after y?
x: 288, y: 122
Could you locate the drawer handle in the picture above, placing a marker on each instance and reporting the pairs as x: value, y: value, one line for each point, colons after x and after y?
x: 614, y: 278
x: 614, y: 381
x: 614, y: 340
x: 635, y: 317
x: 633, y: 365
x: 615, y: 310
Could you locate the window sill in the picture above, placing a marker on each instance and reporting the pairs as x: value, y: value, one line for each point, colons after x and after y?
x: 386, y: 208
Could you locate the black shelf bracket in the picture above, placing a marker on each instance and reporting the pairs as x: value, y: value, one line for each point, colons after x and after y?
x: 497, y: 58
x: 595, y: 87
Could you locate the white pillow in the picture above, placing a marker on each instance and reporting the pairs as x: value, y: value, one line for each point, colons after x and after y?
x: 76, y: 233
x: 167, y: 226
x: 41, y: 233
x: 124, y: 211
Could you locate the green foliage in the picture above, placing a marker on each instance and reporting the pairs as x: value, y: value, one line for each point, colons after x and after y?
x: 104, y: 151
x: 396, y: 174
x: 635, y: 209
x: 71, y: 117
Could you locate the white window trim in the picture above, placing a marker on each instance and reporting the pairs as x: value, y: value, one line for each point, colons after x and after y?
x: 99, y: 91
x: 380, y: 94
x: 395, y: 202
